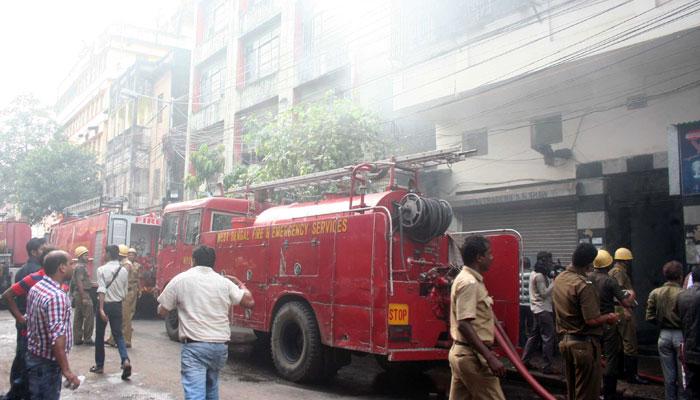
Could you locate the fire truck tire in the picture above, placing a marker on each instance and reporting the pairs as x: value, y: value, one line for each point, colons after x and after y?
x: 172, y: 325
x: 296, y: 347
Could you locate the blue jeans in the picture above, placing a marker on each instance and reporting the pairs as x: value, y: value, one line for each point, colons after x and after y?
x: 18, y: 371
x: 114, y: 315
x: 669, y: 348
x: 44, y: 378
x: 199, y: 366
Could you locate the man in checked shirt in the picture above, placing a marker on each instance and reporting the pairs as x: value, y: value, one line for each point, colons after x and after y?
x: 49, y: 330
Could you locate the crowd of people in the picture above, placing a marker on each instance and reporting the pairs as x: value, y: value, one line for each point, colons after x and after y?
x: 588, y: 307
x: 55, y: 305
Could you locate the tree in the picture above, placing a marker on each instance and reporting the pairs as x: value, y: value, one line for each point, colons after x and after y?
x: 208, y: 164
x: 24, y: 125
x: 52, y: 177
x: 310, y: 138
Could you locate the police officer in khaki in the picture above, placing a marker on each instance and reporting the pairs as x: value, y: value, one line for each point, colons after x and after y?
x: 628, y: 325
x: 127, y: 257
x: 83, y: 316
x: 475, y: 368
x: 579, y: 324
x: 608, y: 292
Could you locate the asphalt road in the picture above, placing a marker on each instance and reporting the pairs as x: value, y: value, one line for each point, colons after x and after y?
x: 249, y: 373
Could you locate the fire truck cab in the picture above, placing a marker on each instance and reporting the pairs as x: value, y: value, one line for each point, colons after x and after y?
x: 366, y: 273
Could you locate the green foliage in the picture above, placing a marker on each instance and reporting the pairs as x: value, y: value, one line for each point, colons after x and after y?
x: 311, y: 138
x: 54, y: 176
x: 208, y: 164
x: 24, y: 125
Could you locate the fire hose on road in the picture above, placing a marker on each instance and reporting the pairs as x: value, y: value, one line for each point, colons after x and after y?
x: 507, y: 347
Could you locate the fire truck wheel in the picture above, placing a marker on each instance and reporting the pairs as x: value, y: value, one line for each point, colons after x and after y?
x: 296, y: 345
x: 172, y: 325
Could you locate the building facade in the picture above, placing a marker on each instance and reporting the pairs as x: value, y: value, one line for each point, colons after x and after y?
x: 255, y: 58
x: 93, y: 112
x: 568, y: 108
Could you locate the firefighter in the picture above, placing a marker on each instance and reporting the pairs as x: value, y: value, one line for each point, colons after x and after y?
x: 132, y: 295
x: 83, y: 316
x: 129, y: 303
x: 579, y: 321
x: 627, y: 326
x: 608, y: 291
x: 475, y: 368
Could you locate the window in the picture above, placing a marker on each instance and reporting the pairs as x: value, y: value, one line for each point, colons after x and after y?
x: 221, y: 221
x: 168, y: 231
x: 119, y: 231
x: 214, y: 19
x: 546, y: 131
x: 160, y: 108
x: 262, y: 55
x: 192, y: 228
x: 476, y: 140
x: 211, y: 86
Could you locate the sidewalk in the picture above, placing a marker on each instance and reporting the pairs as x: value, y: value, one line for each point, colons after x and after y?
x: 648, y: 365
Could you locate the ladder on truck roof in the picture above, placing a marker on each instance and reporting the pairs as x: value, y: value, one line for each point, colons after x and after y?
x: 411, y: 163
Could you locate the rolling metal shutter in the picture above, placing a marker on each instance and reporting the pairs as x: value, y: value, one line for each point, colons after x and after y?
x: 550, y: 228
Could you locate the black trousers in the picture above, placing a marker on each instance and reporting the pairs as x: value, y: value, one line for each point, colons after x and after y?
x: 114, y: 316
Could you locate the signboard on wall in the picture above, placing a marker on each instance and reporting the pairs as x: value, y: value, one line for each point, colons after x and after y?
x: 689, y: 153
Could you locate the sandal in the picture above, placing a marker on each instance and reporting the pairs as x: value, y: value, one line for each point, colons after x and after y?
x: 97, y: 370
x: 126, y: 370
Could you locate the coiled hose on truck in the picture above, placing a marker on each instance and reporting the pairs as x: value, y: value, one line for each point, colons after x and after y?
x: 424, y: 219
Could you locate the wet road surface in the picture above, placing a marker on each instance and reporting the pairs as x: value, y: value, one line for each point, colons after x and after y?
x: 249, y: 373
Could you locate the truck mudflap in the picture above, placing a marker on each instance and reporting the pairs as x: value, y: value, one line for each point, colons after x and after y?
x: 424, y: 354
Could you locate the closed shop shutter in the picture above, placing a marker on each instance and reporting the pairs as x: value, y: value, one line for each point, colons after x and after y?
x: 550, y: 228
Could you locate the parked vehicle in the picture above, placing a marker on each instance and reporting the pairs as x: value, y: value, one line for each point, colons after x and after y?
x: 357, y: 274
x: 98, y: 230
x: 14, y: 236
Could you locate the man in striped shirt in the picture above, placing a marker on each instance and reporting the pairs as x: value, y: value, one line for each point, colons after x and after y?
x: 49, y: 330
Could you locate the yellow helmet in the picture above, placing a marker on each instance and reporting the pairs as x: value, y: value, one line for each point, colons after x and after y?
x: 79, y: 251
x: 132, y: 250
x: 623, y: 254
x: 603, y: 259
x: 123, y: 250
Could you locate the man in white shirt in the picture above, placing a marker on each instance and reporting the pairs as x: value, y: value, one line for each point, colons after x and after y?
x: 203, y: 299
x: 112, y: 282
x: 542, y: 332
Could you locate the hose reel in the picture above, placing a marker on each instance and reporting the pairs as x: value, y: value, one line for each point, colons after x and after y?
x: 422, y: 218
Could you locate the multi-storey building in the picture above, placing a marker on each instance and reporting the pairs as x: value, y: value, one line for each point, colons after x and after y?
x: 88, y: 101
x: 577, y: 111
x: 145, y: 135
x: 255, y: 58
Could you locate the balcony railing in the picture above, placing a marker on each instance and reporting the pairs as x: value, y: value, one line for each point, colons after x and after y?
x: 258, y: 91
x: 207, y: 116
x: 258, y: 14
x: 210, y: 46
x: 323, y: 62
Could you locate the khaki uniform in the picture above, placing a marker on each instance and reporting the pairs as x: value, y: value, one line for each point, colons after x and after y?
x: 627, y: 325
x: 471, y: 376
x: 83, y: 316
x: 575, y: 301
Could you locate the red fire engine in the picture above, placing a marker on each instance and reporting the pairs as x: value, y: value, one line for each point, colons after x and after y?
x: 100, y: 229
x: 14, y: 236
x: 365, y: 273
